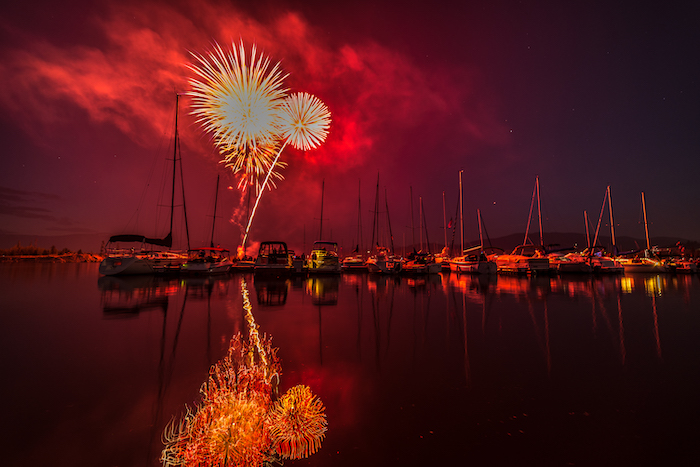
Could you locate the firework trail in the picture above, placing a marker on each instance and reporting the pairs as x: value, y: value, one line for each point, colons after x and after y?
x: 246, y: 109
x: 305, y: 121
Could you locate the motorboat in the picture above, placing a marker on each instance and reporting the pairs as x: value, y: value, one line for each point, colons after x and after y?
x: 355, y: 263
x: 273, y: 258
x: 323, y: 258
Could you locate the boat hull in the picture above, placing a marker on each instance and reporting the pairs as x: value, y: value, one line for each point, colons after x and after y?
x: 125, y: 266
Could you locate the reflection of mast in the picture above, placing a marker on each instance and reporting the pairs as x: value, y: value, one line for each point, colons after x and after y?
x: 466, y: 349
x: 623, y: 352
x: 656, y: 325
x: 165, y: 369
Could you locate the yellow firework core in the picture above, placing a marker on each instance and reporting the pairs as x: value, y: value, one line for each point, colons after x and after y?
x: 297, y: 423
x: 305, y: 121
x: 237, y: 101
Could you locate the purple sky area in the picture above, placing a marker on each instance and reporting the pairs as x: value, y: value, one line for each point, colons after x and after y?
x: 582, y: 94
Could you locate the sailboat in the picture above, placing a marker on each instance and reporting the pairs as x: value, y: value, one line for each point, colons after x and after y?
x: 383, y: 261
x: 208, y: 259
x: 594, y: 255
x: 142, y: 260
x: 421, y: 262
x: 644, y: 263
x: 355, y: 262
x: 473, y: 260
x: 527, y: 258
x: 324, y: 254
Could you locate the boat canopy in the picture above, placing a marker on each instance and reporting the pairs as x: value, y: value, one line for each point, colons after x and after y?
x: 167, y: 241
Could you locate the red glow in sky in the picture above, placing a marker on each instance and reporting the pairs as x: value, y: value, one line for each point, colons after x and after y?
x: 581, y: 98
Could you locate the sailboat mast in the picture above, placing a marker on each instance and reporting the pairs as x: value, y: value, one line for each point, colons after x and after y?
x: 588, y: 234
x: 612, y: 223
x: 213, y: 222
x: 388, y: 220
x: 646, y: 228
x: 481, y: 236
x: 420, y: 218
x: 425, y: 226
x: 413, y: 228
x: 172, y: 195
x: 539, y: 210
x: 360, y: 246
x: 320, y: 231
x: 461, y: 213
x: 529, y: 216
x: 444, y: 218
x: 375, y: 227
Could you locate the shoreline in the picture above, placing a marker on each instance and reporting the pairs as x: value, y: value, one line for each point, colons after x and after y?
x: 57, y: 258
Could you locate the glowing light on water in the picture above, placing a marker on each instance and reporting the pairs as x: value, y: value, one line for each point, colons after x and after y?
x: 239, y: 421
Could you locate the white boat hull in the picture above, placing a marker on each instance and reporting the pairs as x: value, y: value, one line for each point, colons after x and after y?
x: 125, y: 265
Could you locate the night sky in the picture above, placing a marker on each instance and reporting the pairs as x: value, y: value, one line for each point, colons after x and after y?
x: 580, y: 94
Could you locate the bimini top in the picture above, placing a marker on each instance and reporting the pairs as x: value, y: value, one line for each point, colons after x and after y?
x: 167, y: 241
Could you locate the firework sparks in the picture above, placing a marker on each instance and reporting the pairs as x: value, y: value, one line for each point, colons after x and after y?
x: 237, y: 102
x: 246, y: 109
x: 298, y: 423
x: 238, y: 422
x: 253, y: 164
x: 305, y: 121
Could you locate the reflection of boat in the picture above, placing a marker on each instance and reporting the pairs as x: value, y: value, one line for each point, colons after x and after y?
x: 525, y: 259
x: 207, y: 260
x: 271, y: 291
x: 130, y: 295
x: 323, y: 258
x: 131, y: 261
x: 273, y: 258
x: 323, y: 290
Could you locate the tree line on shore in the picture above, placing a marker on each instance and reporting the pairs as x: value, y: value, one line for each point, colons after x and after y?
x: 33, y: 252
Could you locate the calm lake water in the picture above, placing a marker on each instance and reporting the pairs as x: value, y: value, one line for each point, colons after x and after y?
x: 448, y: 370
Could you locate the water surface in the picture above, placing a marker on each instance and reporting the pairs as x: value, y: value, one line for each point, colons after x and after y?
x: 505, y: 371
